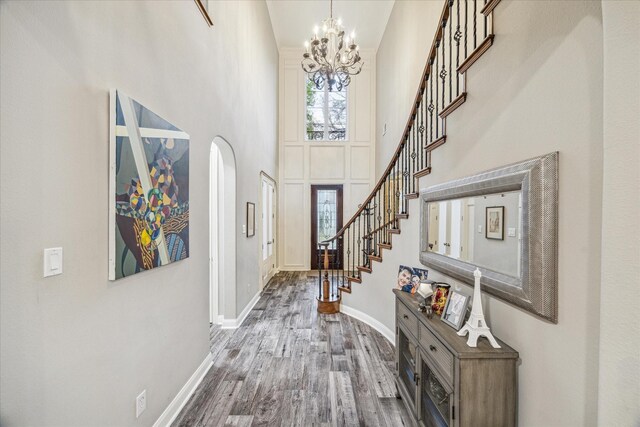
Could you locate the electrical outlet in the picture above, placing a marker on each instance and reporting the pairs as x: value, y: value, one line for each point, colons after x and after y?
x: 141, y: 403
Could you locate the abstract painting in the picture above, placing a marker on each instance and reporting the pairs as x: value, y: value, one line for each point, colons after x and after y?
x: 148, y: 189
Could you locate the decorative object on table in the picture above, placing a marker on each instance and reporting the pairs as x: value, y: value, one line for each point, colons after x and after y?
x: 148, y: 189
x: 331, y: 60
x: 494, y: 228
x: 203, y: 6
x: 440, y: 295
x: 455, y: 309
x: 476, y: 326
x: 251, y: 219
x: 409, y: 278
x: 425, y: 291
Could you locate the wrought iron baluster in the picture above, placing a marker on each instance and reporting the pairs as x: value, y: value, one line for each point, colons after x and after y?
x: 431, y: 107
x: 450, y: 19
x: 475, y: 23
x: 443, y: 72
x: 485, y: 22
x: 466, y: 29
x: 457, y: 37
x: 437, y: 85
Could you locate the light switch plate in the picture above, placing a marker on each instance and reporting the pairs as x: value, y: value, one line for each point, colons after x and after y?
x: 52, y: 261
x: 479, y: 229
x: 511, y: 232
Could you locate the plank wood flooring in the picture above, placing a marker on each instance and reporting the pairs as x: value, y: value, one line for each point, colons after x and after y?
x: 287, y: 365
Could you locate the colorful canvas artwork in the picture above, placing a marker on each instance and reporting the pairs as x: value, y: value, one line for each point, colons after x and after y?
x: 149, y: 190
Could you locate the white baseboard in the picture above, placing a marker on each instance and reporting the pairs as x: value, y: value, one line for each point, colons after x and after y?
x: 375, y: 324
x: 237, y: 322
x: 171, y: 412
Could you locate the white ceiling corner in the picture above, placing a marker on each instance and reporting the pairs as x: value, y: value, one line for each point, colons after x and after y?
x: 293, y: 20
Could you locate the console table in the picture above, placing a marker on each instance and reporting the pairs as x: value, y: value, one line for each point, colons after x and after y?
x: 444, y: 382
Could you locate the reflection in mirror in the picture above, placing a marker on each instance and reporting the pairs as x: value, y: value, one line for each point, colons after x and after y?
x: 482, y: 230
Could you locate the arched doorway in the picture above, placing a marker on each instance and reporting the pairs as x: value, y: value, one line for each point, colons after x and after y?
x: 222, y: 226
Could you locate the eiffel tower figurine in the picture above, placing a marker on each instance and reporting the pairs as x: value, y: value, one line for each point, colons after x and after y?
x: 476, y: 325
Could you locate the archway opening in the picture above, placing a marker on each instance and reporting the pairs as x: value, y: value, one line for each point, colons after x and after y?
x: 222, y: 226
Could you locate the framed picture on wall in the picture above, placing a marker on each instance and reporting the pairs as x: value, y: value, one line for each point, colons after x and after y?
x: 251, y: 219
x: 495, y: 223
x: 203, y: 6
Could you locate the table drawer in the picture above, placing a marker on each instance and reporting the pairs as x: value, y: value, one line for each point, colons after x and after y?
x: 407, y: 318
x: 438, y: 352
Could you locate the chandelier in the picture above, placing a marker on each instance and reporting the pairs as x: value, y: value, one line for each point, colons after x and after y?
x: 332, y: 59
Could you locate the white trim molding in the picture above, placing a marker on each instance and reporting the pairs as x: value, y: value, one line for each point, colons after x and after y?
x: 375, y: 324
x: 171, y: 412
x: 236, y: 323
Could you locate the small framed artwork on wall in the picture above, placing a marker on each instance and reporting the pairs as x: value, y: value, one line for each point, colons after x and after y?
x: 495, y: 223
x: 251, y: 219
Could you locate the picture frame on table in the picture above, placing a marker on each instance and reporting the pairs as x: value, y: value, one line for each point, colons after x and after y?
x: 455, y: 310
x: 494, y: 227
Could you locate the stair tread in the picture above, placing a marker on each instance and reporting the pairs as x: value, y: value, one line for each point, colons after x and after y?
x: 437, y: 143
x: 345, y: 289
x: 354, y: 279
x: 458, y: 101
x: 423, y: 172
x: 476, y: 54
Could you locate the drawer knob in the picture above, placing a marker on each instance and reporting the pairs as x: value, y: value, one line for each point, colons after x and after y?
x: 432, y: 347
x: 405, y: 316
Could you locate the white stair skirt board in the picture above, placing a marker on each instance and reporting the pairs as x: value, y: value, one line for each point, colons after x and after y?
x: 363, y: 317
x: 181, y: 399
x: 236, y: 323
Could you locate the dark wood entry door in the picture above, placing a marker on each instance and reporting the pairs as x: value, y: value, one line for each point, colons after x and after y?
x: 326, y: 220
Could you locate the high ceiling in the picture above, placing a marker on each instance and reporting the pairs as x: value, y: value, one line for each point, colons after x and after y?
x: 293, y: 20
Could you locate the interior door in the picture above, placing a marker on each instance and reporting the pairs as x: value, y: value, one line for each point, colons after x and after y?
x: 326, y: 221
x: 268, y: 229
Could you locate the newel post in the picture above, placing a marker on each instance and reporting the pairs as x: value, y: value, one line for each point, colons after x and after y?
x: 326, y: 284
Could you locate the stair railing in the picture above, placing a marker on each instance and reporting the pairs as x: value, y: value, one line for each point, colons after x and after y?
x: 465, y: 32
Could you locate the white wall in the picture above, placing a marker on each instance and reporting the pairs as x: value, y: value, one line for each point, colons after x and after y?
x: 76, y: 348
x: 619, y: 385
x: 307, y: 162
x: 404, y: 47
x: 537, y: 90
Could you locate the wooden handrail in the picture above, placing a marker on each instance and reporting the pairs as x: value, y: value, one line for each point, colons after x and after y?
x: 405, y: 135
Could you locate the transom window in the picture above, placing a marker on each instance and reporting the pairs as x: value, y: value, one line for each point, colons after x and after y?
x: 326, y: 114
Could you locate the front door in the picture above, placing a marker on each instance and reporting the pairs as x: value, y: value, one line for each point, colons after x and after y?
x: 326, y: 220
x: 268, y: 232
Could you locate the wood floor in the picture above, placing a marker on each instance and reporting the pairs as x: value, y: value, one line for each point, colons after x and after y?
x: 289, y: 366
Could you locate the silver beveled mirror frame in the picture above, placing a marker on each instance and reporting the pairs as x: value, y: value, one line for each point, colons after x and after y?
x: 536, y: 289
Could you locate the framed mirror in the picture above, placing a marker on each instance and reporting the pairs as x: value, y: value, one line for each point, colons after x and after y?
x: 503, y: 221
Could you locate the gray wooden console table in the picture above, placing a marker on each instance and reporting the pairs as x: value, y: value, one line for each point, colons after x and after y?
x: 444, y: 382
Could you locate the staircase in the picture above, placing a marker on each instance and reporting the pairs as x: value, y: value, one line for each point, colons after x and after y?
x: 465, y: 32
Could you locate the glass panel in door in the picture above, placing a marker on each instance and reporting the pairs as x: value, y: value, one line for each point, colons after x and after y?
x: 326, y: 221
x: 407, y: 363
x: 435, y: 399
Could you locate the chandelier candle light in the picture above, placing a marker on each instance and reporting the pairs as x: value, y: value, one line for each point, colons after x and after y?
x: 333, y: 58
